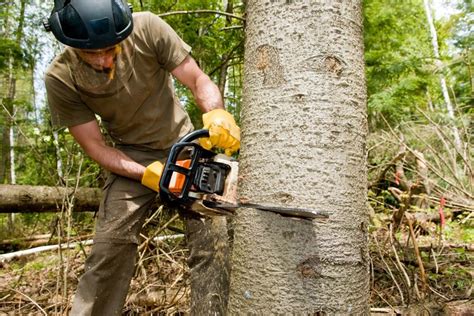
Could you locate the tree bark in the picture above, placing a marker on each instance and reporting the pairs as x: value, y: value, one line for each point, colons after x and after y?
x: 303, y: 145
x: 27, y: 198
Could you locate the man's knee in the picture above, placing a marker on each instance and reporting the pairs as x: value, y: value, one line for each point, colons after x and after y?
x: 110, y: 256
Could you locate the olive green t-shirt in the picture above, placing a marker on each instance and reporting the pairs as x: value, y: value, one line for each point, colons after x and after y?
x: 137, y: 105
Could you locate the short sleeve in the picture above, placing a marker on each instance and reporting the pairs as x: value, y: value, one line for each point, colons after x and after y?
x: 170, y: 49
x: 65, y: 105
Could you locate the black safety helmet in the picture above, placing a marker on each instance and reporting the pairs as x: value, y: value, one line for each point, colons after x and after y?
x: 90, y: 24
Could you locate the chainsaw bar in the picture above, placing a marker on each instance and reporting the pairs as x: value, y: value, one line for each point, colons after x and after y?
x: 282, y: 210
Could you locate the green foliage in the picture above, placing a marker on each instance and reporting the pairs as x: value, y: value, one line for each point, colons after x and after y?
x: 37, y: 149
x: 463, y: 36
x: 400, y: 64
x: 457, y: 231
x: 398, y: 50
x: 397, y: 53
x: 9, y: 49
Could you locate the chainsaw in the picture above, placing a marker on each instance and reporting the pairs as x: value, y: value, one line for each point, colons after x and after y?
x: 205, y: 182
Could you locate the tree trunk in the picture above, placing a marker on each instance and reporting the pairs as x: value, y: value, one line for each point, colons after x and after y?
x: 303, y: 145
x: 59, y: 161
x: 27, y: 198
x: 229, y: 8
x: 10, y: 143
x: 442, y: 79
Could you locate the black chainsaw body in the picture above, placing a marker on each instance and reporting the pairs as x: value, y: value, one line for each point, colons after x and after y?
x: 202, y: 176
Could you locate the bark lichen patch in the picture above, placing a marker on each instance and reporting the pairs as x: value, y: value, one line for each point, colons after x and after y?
x: 269, y: 63
x: 308, y: 268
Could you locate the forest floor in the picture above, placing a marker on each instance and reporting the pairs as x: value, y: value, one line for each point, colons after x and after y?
x: 430, y: 279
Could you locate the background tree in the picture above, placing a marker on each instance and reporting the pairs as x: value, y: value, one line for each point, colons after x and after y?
x: 303, y: 145
x: 444, y: 88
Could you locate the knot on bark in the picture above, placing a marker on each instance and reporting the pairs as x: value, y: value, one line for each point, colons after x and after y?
x: 333, y: 64
x: 308, y: 268
x: 25, y: 197
x: 326, y: 63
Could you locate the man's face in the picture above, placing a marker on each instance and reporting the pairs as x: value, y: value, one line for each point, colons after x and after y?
x: 100, y: 59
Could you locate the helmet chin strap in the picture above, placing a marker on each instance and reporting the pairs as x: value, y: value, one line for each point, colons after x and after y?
x: 118, y: 51
x: 111, y: 71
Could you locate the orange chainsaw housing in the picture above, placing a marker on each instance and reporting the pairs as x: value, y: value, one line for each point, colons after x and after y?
x: 177, y: 179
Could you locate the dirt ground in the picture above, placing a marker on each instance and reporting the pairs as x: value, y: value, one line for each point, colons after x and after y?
x: 44, y: 284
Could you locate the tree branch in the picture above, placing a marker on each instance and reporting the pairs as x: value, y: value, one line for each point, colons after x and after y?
x: 203, y: 12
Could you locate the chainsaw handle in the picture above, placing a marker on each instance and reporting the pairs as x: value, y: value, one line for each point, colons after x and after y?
x: 194, y: 135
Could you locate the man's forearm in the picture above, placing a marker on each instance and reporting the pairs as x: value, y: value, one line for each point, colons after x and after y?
x: 207, y: 95
x: 116, y: 161
x: 205, y: 92
x: 88, y: 135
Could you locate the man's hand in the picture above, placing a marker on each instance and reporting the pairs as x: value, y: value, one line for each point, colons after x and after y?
x: 223, y: 131
x: 151, y: 176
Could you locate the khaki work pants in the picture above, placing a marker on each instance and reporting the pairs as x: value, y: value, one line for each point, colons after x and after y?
x: 110, y: 266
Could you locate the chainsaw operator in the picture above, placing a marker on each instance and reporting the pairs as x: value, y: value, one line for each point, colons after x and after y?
x: 116, y: 69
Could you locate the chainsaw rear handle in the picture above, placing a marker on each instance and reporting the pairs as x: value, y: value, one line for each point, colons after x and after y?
x: 172, y: 166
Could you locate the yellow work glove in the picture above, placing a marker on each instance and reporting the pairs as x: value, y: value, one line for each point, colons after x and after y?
x: 151, y: 176
x: 223, y: 131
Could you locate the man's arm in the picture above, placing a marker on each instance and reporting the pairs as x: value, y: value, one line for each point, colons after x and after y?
x: 223, y: 131
x: 90, y: 138
x: 205, y: 92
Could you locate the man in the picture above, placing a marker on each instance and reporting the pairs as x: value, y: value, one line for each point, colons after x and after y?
x: 117, y: 66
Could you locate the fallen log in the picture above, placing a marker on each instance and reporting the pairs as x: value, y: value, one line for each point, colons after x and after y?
x: 41, y: 240
x: 459, y: 308
x: 17, y: 254
x: 29, y: 198
x: 166, y: 297
x: 25, y: 239
x: 22, y: 253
